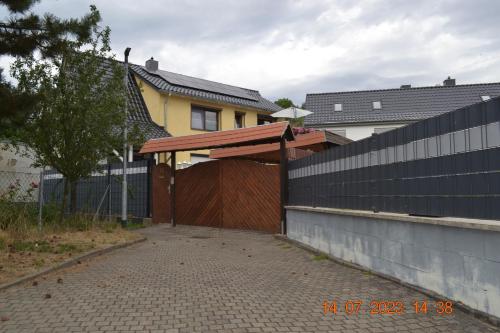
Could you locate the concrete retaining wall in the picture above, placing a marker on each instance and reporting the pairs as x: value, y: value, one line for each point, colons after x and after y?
x: 462, y: 264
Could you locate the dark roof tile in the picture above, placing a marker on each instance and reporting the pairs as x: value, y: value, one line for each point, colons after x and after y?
x: 138, y: 114
x: 406, y: 104
x: 200, y: 88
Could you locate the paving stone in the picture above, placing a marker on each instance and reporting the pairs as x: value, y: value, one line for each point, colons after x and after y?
x: 144, y: 288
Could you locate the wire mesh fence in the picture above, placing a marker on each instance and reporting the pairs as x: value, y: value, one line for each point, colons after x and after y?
x: 99, y: 195
x: 19, y: 192
x: 19, y: 186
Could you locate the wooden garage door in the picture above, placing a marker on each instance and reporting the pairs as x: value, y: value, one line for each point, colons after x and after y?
x: 250, y: 195
x: 198, y: 195
x: 235, y: 194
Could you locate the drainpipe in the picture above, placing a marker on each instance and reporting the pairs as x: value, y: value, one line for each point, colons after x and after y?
x: 125, y: 146
x: 165, y: 113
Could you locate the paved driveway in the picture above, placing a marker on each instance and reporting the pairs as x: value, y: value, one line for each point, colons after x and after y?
x: 192, y: 279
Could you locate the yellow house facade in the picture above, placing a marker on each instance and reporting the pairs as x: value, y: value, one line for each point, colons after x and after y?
x: 185, y: 105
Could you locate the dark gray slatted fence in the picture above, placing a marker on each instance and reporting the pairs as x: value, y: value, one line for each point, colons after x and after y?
x: 92, y: 190
x: 448, y: 165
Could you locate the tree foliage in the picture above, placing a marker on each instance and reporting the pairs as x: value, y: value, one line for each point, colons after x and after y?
x: 76, y: 120
x: 284, y: 103
x: 287, y: 103
x: 25, y: 33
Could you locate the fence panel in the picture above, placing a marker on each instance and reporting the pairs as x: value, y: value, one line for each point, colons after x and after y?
x: 19, y: 186
x: 447, y: 165
x: 102, y: 192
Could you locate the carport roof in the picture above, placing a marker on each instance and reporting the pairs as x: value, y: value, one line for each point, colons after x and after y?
x: 315, y: 141
x: 232, y: 138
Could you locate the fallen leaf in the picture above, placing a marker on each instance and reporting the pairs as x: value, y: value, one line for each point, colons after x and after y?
x: 4, y: 318
x: 59, y: 280
x: 35, y: 283
x: 48, y: 296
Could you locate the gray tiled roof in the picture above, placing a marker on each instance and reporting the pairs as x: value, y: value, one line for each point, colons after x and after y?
x: 138, y: 114
x: 218, y: 93
x: 406, y: 104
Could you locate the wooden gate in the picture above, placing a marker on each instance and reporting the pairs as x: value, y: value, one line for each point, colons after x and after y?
x: 198, y: 195
x: 161, y: 202
x: 236, y: 194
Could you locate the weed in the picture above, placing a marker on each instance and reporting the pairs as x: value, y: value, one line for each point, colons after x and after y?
x: 38, y: 263
x: 135, y: 226
x: 320, y: 256
x: 64, y: 247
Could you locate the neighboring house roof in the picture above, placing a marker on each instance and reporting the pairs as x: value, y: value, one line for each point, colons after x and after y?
x: 230, y: 138
x: 405, y: 104
x: 138, y: 114
x: 199, y: 88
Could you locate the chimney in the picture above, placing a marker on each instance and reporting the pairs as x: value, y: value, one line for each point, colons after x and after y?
x: 406, y: 86
x: 449, y: 82
x: 152, y: 65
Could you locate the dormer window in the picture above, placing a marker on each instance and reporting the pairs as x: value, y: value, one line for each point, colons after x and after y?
x: 484, y: 98
x: 377, y: 105
x: 337, y: 107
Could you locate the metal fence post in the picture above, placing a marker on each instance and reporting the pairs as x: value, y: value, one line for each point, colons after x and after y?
x: 109, y: 192
x: 40, y: 200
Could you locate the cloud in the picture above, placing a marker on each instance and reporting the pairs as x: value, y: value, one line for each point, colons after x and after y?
x: 287, y: 48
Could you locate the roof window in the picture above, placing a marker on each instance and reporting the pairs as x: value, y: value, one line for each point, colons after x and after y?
x: 337, y: 107
x: 377, y: 105
x: 484, y: 98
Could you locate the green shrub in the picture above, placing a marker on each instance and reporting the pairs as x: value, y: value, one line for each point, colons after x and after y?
x: 17, y: 209
x: 50, y: 213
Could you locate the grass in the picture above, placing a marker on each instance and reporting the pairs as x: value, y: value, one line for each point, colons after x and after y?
x: 135, y: 226
x: 30, y: 246
x: 24, y: 249
x: 320, y: 257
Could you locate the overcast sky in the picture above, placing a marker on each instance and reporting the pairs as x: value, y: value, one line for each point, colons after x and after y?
x: 287, y: 48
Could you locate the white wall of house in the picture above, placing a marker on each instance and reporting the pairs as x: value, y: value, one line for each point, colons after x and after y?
x: 15, y: 161
x: 358, y: 132
x: 16, y: 167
